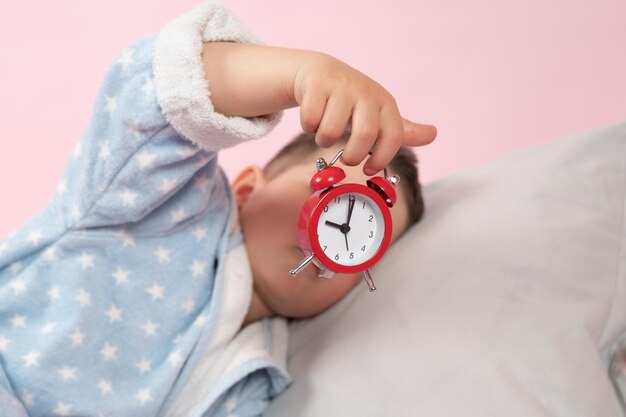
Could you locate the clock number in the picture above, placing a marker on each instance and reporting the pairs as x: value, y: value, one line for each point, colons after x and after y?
x: 337, y: 257
x: 364, y: 205
x: 363, y: 248
x: 337, y: 199
x: 351, y: 255
x: 371, y: 217
x: 325, y: 248
x: 371, y: 233
x: 326, y: 209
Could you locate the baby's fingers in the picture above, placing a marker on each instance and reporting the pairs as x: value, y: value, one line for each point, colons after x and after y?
x: 312, y: 110
x: 417, y: 134
x: 334, y: 121
x: 389, y: 141
x: 365, y: 126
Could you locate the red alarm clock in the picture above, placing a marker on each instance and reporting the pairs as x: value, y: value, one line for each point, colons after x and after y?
x: 345, y: 228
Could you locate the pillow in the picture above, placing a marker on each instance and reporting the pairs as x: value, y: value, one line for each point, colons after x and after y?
x: 507, y: 299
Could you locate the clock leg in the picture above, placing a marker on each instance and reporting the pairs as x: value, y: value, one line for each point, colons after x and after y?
x: 301, y: 265
x: 369, y: 280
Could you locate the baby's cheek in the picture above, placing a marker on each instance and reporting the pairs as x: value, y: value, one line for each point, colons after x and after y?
x: 277, y: 214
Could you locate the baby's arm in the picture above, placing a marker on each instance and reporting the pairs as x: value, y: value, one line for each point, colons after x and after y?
x: 253, y: 80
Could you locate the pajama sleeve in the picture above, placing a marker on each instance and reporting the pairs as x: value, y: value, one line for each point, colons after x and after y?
x: 154, y: 131
x: 122, y: 278
x: 250, y: 396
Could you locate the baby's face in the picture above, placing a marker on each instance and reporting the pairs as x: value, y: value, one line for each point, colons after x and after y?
x: 268, y: 216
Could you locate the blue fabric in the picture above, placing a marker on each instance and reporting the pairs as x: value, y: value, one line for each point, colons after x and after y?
x: 106, y: 296
x: 249, y: 398
x: 246, y: 390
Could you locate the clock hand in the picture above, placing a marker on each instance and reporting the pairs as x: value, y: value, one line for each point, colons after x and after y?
x: 351, y: 201
x: 338, y: 226
x: 344, y: 228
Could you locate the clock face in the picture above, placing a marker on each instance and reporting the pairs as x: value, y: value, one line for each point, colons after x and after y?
x: 350, y: 229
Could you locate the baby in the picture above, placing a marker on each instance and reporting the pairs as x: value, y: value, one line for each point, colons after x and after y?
x: 140, y: 289
x: 266, y: 209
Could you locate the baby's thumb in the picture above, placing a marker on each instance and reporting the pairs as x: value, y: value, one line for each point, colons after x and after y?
x: 416, y: 134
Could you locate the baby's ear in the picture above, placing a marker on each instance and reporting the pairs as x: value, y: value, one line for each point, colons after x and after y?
x: 248, y: 180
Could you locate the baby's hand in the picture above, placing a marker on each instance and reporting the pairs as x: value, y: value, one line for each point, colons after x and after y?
x: 332, y: 94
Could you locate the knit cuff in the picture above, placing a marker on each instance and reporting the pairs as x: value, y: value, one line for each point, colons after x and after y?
x: 182, y: 89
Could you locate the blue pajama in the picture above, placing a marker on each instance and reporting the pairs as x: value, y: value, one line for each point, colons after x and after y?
x: 107, y: 296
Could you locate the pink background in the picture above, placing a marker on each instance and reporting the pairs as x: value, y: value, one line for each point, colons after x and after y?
x: 492, y: 75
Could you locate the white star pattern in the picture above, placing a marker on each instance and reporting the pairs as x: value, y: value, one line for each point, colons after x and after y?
x: 53, y: 293
x: 109, y: 352
x: 202, y: 182
x: 105, y: 152
x: 31, y: 359
x: 146, y: 159
x: 67, y: 373
x: 197, y: 268
x: 18, y: 286
x: 110, y: 104
x: 28, y: 398
x: 175, y: 359
x: 143, y: 365
x: 128, y: 198
x: 231, y: 403
x: 77, y: 337
x: 200, y: 320
x: 78, y: 150
x: 167, y: 185
x: 115, y: 314
x: 156, y: 291
x: 15, y: 267
x: 4, y: 343
x: 126, y: 238
x: 48, y: 328
x: 62, y: 409
x: 149, y: 328
x: 187, y: 151
x: 86, y: 261
x: 50, y: 254
x: 62, y: 187
x: 35, y: 236
x: 135, y: 128
x: 83, y: 298
x: 105, y: 386
x: 163, y: 254
x: 148, y: 86
x: 126, y: 58
x: 178, y: 215
x: 18, y: 321
x: 188, y: 305
x: 75, y: 212
x: 121, y: 276
x: 144, y: 396
x: 200, y: 233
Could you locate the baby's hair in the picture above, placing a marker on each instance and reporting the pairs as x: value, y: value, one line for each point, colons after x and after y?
x: 404, y: 164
